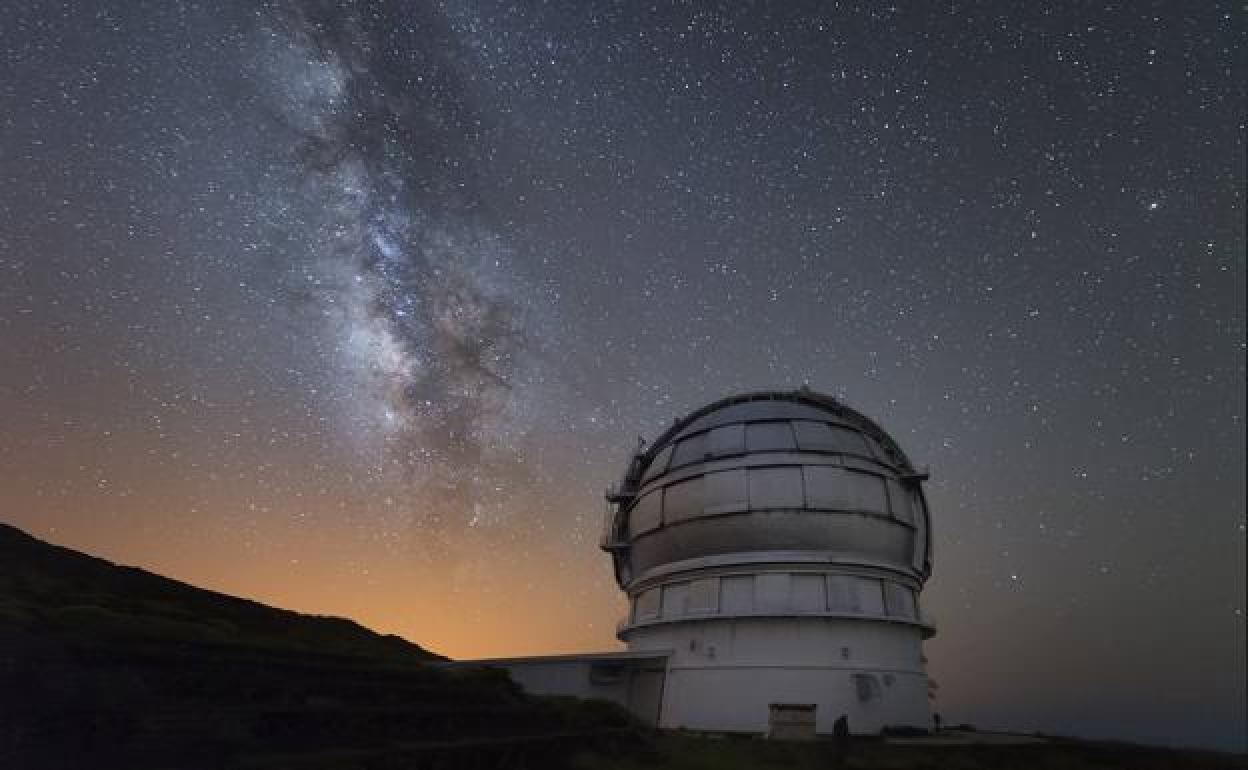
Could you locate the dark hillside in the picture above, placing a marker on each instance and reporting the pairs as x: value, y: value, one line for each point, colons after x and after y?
x: 49, y: 588
x: 104, y: 666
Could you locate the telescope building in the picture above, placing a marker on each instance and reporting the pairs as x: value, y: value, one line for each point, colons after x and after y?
x: 772, y: 546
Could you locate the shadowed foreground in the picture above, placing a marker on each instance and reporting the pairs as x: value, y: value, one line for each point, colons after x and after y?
x: 677, y: 751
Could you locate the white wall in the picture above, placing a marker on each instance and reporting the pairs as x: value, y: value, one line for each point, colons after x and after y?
x: 738, y: 699
x: 724, y: 673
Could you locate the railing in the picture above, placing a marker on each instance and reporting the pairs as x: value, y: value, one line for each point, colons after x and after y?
x: 608, y: 527
x: 611, y: 540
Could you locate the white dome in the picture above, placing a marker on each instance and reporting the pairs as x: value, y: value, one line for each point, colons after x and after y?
x: 770, y: 476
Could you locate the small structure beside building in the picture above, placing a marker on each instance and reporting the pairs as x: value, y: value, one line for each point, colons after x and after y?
x: 773, y: 546
x: 634, y: 680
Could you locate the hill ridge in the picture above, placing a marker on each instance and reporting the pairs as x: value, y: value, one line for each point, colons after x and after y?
x: 53, y: 586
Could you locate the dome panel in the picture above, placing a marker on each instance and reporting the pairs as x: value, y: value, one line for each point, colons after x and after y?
x: 660, y: 463
x: 867, y: 492
x: 683, y: 500
x: 826, y: 488
x: 853, y: 538
x: 779, y: 487
x: 762, y: 409
x: 726, y: 492
x: 726, y: 440
x: 689, y: 450
x: 815, y: 436
x: 899, y: 502
x: 774, y: 472
x: 847, y: 440
x: 769, y: 436
x: 647, y: 514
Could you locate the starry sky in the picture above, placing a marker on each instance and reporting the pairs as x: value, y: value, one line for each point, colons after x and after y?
x: 356, y: 308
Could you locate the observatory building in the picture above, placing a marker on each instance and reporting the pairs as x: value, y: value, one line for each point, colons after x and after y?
x: 772, y: 546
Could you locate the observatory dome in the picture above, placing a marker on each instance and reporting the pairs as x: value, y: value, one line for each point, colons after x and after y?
x: 775, y: 476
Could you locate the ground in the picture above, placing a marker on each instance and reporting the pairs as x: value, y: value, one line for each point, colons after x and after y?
x: 989, y: 751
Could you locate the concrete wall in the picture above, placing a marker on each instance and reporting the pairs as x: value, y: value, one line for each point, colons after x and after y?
x: 724, y: 674
x: 738, y: 699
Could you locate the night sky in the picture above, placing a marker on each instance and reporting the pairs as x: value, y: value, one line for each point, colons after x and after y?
x: 356, y: 308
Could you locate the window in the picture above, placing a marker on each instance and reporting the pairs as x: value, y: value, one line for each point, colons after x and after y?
x: 870, y: 596
x: 704, y: 595
x: 771, y: 592
x: 647, y: 607
x: 808, y: 593
x: 675, y: 600
x: 900, y: 600
x: 843, y: 594
x: 736, y: 594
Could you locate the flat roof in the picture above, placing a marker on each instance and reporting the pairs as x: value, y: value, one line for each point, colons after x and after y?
x: 620, y: 656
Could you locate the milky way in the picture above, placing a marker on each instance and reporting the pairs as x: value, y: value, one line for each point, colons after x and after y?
x: 431, y: 320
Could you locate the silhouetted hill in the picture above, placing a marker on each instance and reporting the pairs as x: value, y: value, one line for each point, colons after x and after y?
x: 50, y: 588
x: 104, y: 666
